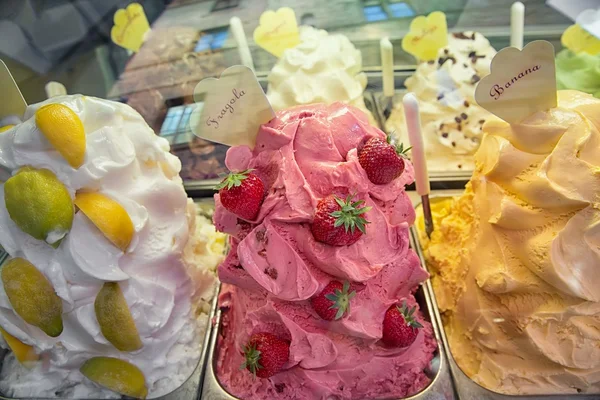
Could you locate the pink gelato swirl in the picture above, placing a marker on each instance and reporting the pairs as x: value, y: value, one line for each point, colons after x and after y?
x: 275, y: 265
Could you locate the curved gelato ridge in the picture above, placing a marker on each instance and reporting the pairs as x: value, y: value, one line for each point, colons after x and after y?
x: 323, y: 68
x: 450, y: 117
x: 578, y: 71
x: 275, y: 266
x: 127, y: 162
x: 515, y: 259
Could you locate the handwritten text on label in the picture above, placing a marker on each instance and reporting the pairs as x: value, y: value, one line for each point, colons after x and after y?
x: 497, y: 90
x: 214, y: 121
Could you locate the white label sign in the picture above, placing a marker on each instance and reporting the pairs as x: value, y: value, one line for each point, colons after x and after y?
x: 235, y: 107
x: 521, y: 82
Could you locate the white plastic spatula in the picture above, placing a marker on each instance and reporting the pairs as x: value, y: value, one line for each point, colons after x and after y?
x: 413, y: 124
x: 13, y: 103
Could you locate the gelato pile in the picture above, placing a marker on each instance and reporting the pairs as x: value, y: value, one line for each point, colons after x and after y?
x: 578, y: 71
x: 451, y: 119
x: 323, y: 68
x: 312, y: 307
x: 515, y: 260
x: 101, y: 295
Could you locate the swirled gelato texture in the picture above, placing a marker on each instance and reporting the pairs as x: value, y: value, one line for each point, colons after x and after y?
x: 515, y: 259
x: 451, y: 119
x: 275, y: 266
x: 127, y: 162
x: 323, y: 68
x: 578, y: 71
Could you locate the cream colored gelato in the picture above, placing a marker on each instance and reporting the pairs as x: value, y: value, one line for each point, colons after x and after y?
x: 451, y: 120
x: 126, y: 162
x: 515, y: 260
x: 323, y: 68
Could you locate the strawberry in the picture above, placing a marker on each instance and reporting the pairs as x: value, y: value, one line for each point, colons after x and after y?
x: 242, y: 193
x: 382, y: 161
x: 265, y: 354
x: 334, y: 301
x: 333, y: 212
x: 400, y: 327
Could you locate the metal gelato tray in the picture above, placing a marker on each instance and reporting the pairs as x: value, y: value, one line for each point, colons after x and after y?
x: 466, y: 388
x: 440, y: 387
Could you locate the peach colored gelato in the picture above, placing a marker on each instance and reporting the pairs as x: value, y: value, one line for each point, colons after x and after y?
x: 515, y: 260
x: 275, y: 266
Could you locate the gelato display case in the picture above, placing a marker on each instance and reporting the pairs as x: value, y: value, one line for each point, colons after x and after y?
x: 236, y: 199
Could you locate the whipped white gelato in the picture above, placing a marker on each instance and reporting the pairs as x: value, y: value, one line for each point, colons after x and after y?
x: 451, y: 119
x: 127, y: 162
x: 323, y: 68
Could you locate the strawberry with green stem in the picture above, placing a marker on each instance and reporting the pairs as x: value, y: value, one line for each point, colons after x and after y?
x: 339, y: 222
x: 382, y: 160
x: 400, y: 326
x: 242, y: 193
x: 334, y: 301
x: 265, y: 354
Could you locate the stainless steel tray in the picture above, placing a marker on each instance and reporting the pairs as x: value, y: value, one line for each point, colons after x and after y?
x: 441, y: 386
x: 466, y: 388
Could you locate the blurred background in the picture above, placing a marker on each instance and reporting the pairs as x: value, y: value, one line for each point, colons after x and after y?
x: 69, y: 41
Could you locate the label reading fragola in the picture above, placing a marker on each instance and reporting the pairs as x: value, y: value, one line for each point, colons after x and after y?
x: 498, y: 90
x: 228, y: 108
x: 234, y: 107
x: 277, y: 31
x: 520, y: 82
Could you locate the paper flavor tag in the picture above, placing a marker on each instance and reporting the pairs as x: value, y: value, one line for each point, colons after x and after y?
x: 131, y: 26
x: 521, y: 82
x: 234, y: 107
x: 578, y: 40
x: 426, y: 36
x: 277, y: 31
x: 589, y: 20
x: 13, y: 103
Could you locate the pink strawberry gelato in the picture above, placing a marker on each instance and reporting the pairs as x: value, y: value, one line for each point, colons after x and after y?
x: 275, y: 266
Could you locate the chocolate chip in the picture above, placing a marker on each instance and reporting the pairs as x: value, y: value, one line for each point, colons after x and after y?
x: 271, y: 272
x: 475, y: 78
x: 466, y: 103
x: 465, y: 65
x: 431, y: 62
x: 458, y: 120
x: 472, y: 54
x: 440, y: 96
x: 460, y: 35
x: 459, y: 166
x: 482, y: 121
x: 464, y: 116
x: 446, y: 51
x: 459, y: 127
x: 444, y: 135
x: 260, y: 235
x: 441, y: 126
x: 279, y: 387
x: 453, y: 144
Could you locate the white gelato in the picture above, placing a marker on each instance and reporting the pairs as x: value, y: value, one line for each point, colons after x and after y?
x: 323, y: 68
x: 445, y: 88
x: 126, y: 161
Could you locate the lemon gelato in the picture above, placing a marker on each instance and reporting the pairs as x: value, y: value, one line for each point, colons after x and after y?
x: 107, y: 286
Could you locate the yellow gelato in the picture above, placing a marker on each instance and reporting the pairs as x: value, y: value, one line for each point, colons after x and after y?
x: 515, y: 261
